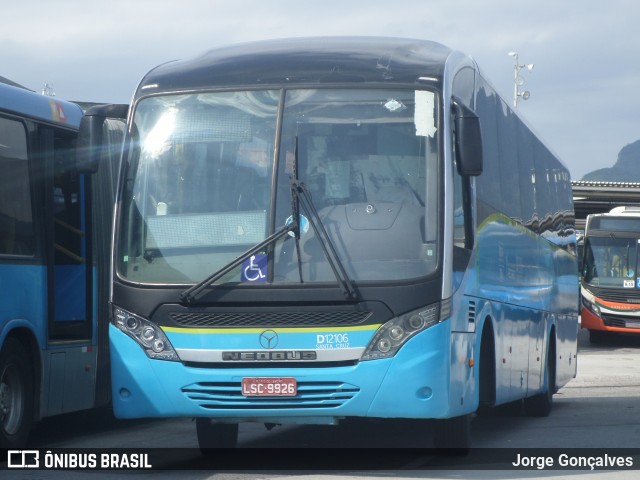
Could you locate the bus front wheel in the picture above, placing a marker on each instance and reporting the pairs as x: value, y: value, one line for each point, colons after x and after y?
x: 453, y: 433
x: 16, y: 395
x: 212, y: 435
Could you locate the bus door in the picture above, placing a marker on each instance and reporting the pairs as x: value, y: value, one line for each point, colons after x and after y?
x: 71, y: 357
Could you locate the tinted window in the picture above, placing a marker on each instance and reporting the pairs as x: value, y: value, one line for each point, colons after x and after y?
x: 16, y: 220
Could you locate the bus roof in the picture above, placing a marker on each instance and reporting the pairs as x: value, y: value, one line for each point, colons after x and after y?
x: 18, y: 100
x: 312, y: 60
x: 10, y: 82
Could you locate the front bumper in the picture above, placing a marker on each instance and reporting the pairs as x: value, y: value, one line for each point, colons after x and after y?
x: 412, y: 384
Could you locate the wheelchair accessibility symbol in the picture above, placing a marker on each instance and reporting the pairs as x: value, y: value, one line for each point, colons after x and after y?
x: 254, y: 269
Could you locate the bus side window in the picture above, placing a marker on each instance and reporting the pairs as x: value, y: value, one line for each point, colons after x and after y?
x: 68, y: 225
x: 16, y: 218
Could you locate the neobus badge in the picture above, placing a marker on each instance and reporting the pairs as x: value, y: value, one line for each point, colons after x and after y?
x: 281, y: 355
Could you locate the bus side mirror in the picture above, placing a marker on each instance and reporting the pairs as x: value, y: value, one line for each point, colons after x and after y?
x: 95, y: 139
x: 468, y: 141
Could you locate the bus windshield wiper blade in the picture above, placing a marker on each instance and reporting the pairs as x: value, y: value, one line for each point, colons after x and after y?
x: 328, y: 248
x: 295, y: 205
x: 190, y: 295
x: 298, y: 191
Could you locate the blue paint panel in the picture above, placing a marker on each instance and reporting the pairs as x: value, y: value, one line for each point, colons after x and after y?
x: 71, y: 297
x: 526, y: 284
x: 231, y: 339
x: 514, y: 266
x: 23, y: 296
x: 30, y: 104
x: 413, y: 384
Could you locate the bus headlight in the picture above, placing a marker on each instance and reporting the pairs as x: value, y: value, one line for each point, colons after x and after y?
x: 395, y: 333
x: 592, y: 307
x: 146, y: 334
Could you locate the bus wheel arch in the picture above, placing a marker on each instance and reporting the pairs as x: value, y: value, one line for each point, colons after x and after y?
x: 31, y: 346
x: 17, y: 392
x: 487, y: 365
x: 540, y: 405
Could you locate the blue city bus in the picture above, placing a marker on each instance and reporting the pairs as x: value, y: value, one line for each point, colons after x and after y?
x: 309, y: 230
x: 55, y: 226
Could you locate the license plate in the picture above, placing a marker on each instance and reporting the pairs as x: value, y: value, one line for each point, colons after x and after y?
x: 269, y: 387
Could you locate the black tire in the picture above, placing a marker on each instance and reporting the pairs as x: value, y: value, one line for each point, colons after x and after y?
x: 212, y: 435
x: 453, y: 433
x: 16, y: 395
x: 597, y: 337
x: 540, y: 405
x: 510, y: 409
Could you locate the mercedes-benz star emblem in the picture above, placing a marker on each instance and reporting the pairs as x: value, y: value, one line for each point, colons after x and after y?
x: 269, y: 339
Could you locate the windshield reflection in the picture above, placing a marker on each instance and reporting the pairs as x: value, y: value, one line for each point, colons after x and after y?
x: 207, y: 182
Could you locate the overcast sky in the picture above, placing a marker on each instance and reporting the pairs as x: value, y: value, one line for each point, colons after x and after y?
x: 584, y: 86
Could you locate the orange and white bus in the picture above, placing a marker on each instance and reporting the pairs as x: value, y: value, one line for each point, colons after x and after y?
x: 610, y: 286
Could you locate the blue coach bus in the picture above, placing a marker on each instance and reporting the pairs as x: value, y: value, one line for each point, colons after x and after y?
x: 314, y: 229
x: 55, y: 228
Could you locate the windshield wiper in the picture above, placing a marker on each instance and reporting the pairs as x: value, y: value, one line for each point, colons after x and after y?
x: 190, y: 295
x: 346, y: 285
x: 298, y: 191
x: 295, y: 205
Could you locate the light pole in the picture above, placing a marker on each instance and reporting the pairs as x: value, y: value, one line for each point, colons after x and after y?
x: 47, y: 90
x: 518, y: 81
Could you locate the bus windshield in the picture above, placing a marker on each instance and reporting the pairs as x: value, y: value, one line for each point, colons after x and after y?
x: 209, y: 176
x: 611, y: 262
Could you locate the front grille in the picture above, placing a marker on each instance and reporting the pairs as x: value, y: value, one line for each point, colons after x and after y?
x: 271, y: 319
x: 625, y: 295
x: 621, y: 321
x: 310, y: 395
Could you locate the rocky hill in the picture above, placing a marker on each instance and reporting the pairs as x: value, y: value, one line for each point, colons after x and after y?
x: 626, y: 168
